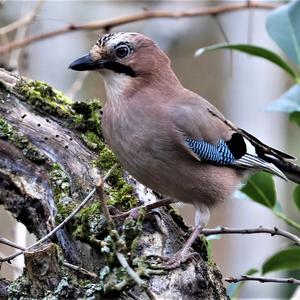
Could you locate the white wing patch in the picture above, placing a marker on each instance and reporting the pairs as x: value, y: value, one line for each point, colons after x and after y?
x: 251, y: 161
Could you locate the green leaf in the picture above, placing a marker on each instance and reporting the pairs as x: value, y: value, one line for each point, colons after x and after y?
x: 255, y: 51
x: 288, y: 102
x: 287, y: 260
x: 260, y: 188
x: 283, y: 25
x: 296, y: 196
x: 295, y: 117
x: 233, y: 289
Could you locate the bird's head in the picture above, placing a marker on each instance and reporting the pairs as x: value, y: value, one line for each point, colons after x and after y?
x: 128, y: 53
x: 127, y: 61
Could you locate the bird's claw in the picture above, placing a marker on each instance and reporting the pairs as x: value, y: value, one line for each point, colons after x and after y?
x: 175, y: 261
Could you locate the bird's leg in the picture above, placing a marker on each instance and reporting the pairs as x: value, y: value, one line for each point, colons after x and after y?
x: 201, y: 219
x: 134, y: 212
x: 183, y: 254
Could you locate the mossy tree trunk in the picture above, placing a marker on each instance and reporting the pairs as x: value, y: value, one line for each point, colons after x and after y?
x: 51, y: 155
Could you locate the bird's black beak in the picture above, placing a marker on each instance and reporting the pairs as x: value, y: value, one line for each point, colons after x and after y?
x: 85, y: 63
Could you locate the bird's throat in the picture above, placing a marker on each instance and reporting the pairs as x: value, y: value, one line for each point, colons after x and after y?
x: 117, y: 86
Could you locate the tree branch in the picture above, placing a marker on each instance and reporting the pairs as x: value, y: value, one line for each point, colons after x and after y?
x: 271, y: 231
x: 9, y: 243
x: 262, y: 279
x: 145, y: 15
x: 81, y: 270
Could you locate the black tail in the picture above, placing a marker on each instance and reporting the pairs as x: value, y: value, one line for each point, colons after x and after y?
x: 290, y: 170
x: 274, y: 156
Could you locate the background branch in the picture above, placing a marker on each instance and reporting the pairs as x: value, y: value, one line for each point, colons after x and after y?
x: 271, y: 231
x: 262, y: 279
x: 145, y: 15
x: 26, y: 20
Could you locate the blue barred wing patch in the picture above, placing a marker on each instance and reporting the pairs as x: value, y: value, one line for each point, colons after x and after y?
x: 219, y: 153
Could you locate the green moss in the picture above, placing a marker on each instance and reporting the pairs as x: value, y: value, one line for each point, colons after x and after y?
x: 88, y: 122
x: 121, y: 194
x: 44, y: 98
x: 122, y: 197
x: 106, y: 159
x: 18, y: 139
x: 87, y: 117
x: 89, y: 222
x: 93, y: 141
x: 64, y: 210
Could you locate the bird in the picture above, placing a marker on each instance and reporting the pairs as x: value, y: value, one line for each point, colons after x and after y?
x: 169, y: 138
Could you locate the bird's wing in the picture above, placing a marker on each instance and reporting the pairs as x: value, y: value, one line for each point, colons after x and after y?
x: 221, y: 154
x: 210, y: 140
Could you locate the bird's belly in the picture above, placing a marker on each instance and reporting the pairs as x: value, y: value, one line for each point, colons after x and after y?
x: 171, y: 172
x: 185, y: 180
x: 204, y: 184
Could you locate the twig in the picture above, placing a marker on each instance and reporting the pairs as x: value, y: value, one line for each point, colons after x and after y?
x: 10, y: 244
x: 123, y: 262
x: 135, y: 277
x: 81, y: 270
x: 133, y: 296
x: 163, y: 202
x: 77, y: 84
x: 52, y: 232
x: 226, y: 39
x: 101, y: 194
x: 104, y: 207
x: 221, y: 28
x: 108, y: 174
x: 271, y: 231
x: 250, y: 26
x: 27, y: 19
x: 21, y: 33
x: 144, y: 15
x: 149, y: 293
x: 262, y: 279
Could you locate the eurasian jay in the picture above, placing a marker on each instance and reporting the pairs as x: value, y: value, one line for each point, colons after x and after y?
x: 169, y: 138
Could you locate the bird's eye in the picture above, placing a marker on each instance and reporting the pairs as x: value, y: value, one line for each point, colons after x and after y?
x: 122, y: 51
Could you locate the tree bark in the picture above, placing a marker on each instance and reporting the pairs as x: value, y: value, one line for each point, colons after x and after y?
x: 52, y: 154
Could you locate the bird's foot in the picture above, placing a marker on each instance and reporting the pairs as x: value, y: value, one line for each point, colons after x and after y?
x: 175, y: 261
x: 182, y: 255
